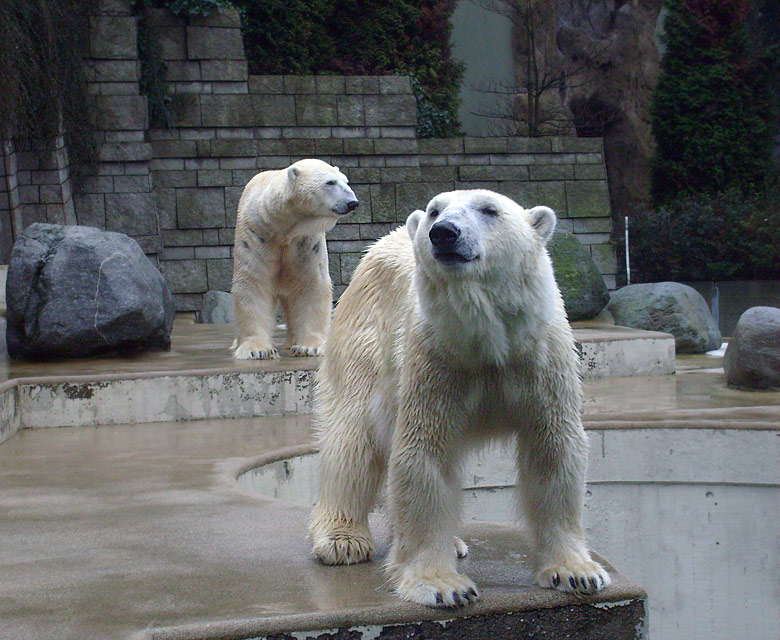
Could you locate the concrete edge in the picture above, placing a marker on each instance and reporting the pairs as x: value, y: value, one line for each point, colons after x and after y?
x: 599, y: 425
x: 236, y: 468
x: 521, y: 601
x: 619, y: 333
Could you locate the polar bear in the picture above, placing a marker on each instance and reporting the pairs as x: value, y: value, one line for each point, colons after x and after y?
x: 280, y: 256
x: 452, y: 331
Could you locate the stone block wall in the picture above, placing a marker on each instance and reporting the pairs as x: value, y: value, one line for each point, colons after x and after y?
x: 116, y: 194
x: 176, y: 189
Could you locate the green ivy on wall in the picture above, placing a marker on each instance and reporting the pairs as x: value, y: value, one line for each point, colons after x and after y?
x: 361, y: 37
x: 153, y: 70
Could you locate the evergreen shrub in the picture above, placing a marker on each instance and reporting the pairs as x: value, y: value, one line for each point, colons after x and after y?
x: 733, y: 235
x: 713, y: 114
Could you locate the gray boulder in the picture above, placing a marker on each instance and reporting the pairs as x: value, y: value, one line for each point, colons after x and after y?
x: 579, y: 279
x: 77, y: 291
x: 752, y: 358
x: 217, y: 308
x: 670, y: 307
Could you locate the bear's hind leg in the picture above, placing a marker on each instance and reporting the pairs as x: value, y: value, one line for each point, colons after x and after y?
x: 255, y: 310
x: 552, y: 480
x: 351, y: 470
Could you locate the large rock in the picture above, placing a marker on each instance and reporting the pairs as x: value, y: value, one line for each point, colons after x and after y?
x: 752, y: 358
x: 583, y: 289
x: 670, y: 307
x: 217, y: 308
x: 77, y: 291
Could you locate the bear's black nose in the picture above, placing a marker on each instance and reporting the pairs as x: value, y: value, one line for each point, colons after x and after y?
x: 352, y: 205
x: 444, y: 235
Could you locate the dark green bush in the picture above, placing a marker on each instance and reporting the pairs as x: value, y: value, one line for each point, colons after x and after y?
x: 713, y: 113
x: 360, y: 37
x: 728, y: 236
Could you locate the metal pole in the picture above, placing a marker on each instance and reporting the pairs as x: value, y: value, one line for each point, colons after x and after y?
x: 628, y: 263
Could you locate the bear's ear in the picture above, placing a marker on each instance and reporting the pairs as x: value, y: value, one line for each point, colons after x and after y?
x: 413, y: 221
x: 543, y: 221
x: 292, y: 173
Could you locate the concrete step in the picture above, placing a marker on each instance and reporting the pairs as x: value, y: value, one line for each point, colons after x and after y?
x: 199, y: 379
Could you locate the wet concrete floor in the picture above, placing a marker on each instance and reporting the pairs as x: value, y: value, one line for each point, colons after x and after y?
x: 112, y: 530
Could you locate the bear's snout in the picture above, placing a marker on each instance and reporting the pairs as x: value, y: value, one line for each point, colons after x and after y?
x: 444, y: 234
x: 345, y: 207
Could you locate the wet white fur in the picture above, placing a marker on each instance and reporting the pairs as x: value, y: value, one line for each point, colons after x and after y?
x: 426, y: 360
x: 280, y: 256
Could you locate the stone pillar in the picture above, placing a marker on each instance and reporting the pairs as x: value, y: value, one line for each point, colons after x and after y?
x: 117, y: 196
x: 41, y: 173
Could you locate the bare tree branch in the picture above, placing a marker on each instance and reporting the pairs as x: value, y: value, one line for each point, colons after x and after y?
x: 534, y: 104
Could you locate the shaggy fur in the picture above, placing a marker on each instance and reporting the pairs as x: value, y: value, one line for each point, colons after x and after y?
x: 432, y: 353
x: 280, y: 256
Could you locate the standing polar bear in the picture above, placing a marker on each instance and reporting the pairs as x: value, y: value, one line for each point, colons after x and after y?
x: 280, y: 256
x: 451, y: 332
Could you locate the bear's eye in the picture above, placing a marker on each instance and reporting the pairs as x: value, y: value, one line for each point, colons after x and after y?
x: 331, y: 182
x: 489, y: 210
x: 433, y: 213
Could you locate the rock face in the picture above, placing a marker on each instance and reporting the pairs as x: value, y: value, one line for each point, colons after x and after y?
x: 611, y: 53
x: 583, y: 289
x: 77, y: 291
x: 752, y: 358
x: 670, y: 307
x: 217, y: 308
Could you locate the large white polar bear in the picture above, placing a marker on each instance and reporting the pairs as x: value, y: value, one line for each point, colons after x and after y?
x: 280, y: 256
x: 452, y: 331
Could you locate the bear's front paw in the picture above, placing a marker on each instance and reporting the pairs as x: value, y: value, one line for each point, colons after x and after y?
x: 301, y: 350
x: 436, y: 587
x: 580, y: 577
x: 254, y: 349
x: 343, y: 547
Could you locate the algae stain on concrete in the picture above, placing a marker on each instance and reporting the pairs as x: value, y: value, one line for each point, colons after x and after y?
x: 78, y: 391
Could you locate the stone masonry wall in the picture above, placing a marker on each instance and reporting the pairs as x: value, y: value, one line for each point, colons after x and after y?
x: 176, y: 189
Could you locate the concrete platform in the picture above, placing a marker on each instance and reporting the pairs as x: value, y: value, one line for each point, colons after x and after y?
x: 142, y: 531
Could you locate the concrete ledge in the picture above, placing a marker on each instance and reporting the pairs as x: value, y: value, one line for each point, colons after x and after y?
x: 613, y: 352
x: 597, y: 620
x: 199, y: 379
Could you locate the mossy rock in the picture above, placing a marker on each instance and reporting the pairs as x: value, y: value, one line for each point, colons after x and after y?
x: 579, y: 279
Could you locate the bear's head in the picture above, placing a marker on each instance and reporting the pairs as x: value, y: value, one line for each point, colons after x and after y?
x: 319, y: 189
x: 479, y: 234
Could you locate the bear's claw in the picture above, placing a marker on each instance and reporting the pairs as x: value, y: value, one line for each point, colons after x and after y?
x: 303, y: 350
x: 461, y: 548
x: 581, y: 578
x: 343, y: 548
x: 255, y: 350
x: 436, y: 588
